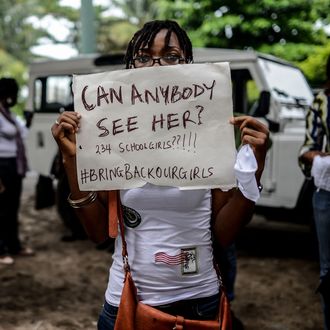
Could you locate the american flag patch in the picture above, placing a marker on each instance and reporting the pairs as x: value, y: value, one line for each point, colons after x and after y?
x: 187, y: 258
x: 162, y: 257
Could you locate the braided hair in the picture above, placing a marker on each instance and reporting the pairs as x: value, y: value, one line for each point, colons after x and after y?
x: 146, y: 35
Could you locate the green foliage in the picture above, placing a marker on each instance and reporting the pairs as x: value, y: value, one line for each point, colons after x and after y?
x: 285, y: 28
x: 245, y: 24
x: 311, y: 59
x: 137, y: 11
x: 16, y: 34
x: 293, y: 52
x: 314, y: 65
x: 10, y: 67
x: 114, y: 35
x: 17, y: 31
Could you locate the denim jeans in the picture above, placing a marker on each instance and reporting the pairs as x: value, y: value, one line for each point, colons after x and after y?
x: 321, y: 206
x: 226, y: 259
x: 197, y: 309
x: 107, y: 317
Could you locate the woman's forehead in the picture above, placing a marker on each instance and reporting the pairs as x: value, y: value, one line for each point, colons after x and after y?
x: 160, y: 40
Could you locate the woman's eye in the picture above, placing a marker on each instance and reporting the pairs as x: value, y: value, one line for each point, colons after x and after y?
x: 143, y: 58
x: 172, y: 58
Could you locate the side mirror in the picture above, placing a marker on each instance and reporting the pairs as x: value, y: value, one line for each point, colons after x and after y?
x: 263, y: 106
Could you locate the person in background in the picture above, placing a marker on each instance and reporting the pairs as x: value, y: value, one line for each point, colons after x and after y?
x: 66, y: 212
x: 13, y: 166
x: 187, y: 217
x: 314, y: 160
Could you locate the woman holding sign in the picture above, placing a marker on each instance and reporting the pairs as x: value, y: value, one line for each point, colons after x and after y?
x: 165, y: 225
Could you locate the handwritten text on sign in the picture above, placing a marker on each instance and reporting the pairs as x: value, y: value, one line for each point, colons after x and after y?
x: 163, y: 125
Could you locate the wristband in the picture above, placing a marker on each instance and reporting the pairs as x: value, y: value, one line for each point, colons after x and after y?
x: 78, y: 203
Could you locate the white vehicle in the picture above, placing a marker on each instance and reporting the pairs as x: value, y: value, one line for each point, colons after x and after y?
x: 263, y: 86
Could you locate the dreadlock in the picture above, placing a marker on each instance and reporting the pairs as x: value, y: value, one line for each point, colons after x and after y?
x: 146, y: 36
x: 8, y: 87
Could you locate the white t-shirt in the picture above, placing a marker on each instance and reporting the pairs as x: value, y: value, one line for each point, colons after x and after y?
x: 168, y: 236
x: 321, y: 172
x: 8, y: 131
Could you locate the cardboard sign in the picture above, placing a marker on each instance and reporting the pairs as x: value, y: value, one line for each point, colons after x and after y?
x: 167, y: 126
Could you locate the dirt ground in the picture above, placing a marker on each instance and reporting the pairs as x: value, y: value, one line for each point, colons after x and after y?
x: 62, y: 286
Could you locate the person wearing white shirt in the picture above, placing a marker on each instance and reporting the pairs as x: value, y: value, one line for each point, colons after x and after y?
x: 13, y: 166
x: 314, y: 160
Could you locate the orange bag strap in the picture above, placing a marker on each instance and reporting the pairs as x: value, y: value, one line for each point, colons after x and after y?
x: 116, y: 217
x: 113, y: 213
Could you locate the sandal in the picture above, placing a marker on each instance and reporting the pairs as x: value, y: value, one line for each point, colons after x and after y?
x: 6, y: 260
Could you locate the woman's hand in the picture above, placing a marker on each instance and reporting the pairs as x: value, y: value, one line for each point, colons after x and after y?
x: 94, y: 215
x: 308, y: 156
x: 256, y: 134
x: 64, y: 129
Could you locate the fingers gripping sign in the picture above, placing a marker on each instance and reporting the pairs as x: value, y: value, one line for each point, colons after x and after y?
x: 64, y: 130
x: 254, y: 133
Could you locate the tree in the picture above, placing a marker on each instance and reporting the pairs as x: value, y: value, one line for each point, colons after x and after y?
x: 11, y: 67
x: 114, y: 33
x: 18, y: 33
x: 249, y: 24
x: 137, y: 11
x: 291, y: 29
x: 314, y: 65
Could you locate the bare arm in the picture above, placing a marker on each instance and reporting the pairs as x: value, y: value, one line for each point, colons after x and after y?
x: 308, y: 156
x: 93, y: 216
x: 231, y: 210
